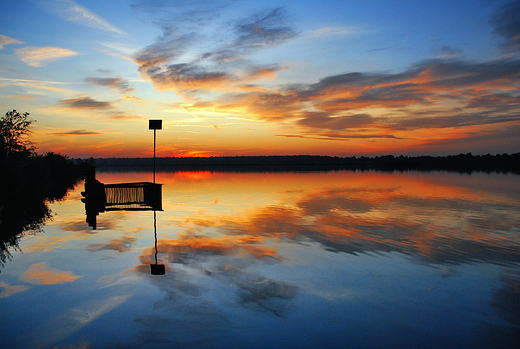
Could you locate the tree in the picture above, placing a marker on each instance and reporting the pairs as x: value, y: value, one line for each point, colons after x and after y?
x: 14, y: 134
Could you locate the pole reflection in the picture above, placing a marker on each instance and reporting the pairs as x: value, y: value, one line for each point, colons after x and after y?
x: 156, y: 269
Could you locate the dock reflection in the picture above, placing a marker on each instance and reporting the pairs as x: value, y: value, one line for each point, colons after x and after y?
x: 135, y: 196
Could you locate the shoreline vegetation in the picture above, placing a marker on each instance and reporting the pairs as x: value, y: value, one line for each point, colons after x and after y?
x: 27, y: 185
x: 462, y: 163
x: 28, y: 182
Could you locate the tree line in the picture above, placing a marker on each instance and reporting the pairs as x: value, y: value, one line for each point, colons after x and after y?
x: 463, y: 163
x: 28, y: 181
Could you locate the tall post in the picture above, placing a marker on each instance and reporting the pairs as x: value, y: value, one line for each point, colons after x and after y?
x: 154, y: 138
x: 154, y: 125
x: 156, y: 269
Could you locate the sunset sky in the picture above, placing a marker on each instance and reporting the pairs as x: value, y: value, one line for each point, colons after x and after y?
x: 232, y: 77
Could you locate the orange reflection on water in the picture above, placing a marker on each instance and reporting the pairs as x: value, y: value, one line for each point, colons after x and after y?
x: 191, y: 246
x: 435, y: 216
x: 43, y: 274
x: 414, y: 213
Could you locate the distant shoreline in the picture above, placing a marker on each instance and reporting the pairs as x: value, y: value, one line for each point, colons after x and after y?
x: 463, y: 163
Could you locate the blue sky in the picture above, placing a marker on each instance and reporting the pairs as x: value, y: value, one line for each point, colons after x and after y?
x: 260, y: 78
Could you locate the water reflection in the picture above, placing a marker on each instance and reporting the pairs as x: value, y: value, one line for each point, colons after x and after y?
x: 20, y: 215
x: 435, y: 224
x: 304, y: 260
x: 24, y: 206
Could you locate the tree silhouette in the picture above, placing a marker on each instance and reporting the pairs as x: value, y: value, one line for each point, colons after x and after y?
x: 14, y: 134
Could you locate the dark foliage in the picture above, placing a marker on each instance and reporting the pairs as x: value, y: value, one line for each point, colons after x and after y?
x: 27, y: 182
x: 14, y: 134
x: 463, y: 163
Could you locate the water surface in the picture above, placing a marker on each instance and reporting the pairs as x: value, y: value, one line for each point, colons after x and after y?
x: 279, y: 260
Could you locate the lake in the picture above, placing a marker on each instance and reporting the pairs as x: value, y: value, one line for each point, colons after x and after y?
x: 345, y: 259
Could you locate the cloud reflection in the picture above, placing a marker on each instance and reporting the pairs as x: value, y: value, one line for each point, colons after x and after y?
x: 43, y: 274
x: 9, y: 290
x: 436, y: 223
x: 262, y: 293
x: 189, y: 248
x: 56, y: 328
x: 199, y: 264
x: 202, y: 277
x: 123, y: 244
x: 505, y: 302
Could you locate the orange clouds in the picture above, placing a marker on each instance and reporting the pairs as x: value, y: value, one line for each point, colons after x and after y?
x: 40, y: 56
x: 439, y: 106
x: 449, y: 94
x: 43, y: 274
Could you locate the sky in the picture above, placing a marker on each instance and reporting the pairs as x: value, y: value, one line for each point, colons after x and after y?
x: 231, y: 77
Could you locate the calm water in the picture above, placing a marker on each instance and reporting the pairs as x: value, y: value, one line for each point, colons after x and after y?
x: 277, y: 260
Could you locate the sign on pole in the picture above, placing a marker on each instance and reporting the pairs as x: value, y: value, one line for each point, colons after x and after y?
x: 154, y: 125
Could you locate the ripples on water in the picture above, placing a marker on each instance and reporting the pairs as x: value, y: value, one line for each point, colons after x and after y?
x: 279, y: 260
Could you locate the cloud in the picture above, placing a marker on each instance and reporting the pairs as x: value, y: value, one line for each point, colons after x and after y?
x: 123, y: 86
x: 506, y: 23
x: 43, y: 274
x: 450, y: 94
x: 76, y: 133
x: 456, y: 96
x: 337, y: 136
x: 125, y: 49
x: 40, y: 56
x: 187, y: 77
x: 5, y: 40
x: 73, y: 12
x: 188, y: 59
x: 118, y: 115
x: 262, y: 29
x: 325, y: 121
x: 334, y: 31
x: 450, y: 52
x: 85, y: 103
x: 457, y: 120
x: 187, y: 14
x: 132, y: 98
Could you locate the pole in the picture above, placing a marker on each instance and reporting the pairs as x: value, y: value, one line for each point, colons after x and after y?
x: 154, y: 136
x: 154, y: 125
